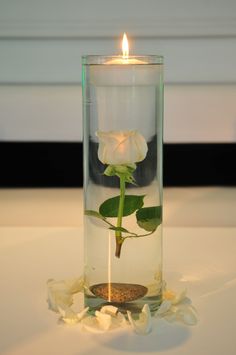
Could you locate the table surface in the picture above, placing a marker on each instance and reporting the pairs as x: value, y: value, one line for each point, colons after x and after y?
x: 199, y: 259
x: 188, y: 207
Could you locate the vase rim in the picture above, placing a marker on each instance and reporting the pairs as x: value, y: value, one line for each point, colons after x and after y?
x: 96, y: 59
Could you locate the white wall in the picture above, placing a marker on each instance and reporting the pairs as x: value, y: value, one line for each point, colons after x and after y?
x: 41, y: 43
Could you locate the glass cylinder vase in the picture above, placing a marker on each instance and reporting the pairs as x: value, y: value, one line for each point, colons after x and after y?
x: 122, y: 120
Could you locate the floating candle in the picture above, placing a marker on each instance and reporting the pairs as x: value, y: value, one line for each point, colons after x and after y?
x: 128, y: 83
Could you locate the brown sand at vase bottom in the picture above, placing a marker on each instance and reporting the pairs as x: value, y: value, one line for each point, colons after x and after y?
x: 119, y: 292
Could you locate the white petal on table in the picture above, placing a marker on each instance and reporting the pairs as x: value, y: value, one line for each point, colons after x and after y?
x: 143, y: 325
x: 68, y: 315
x: 58, y: 298
x: 164, y: 308
x: 111, y: 310
x: 104, y: 320
x: 187, y: 315
x: 91, y: 325
x: 74, y: 285
x: 179, y: 297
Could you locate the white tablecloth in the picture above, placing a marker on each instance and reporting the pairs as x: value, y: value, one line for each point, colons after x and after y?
x: 203, y: 260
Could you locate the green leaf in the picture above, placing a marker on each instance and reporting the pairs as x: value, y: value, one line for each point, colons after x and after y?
x: 109, y: 208
x: 149, y: 218
x: 119, y: 229
x: 93, y: 214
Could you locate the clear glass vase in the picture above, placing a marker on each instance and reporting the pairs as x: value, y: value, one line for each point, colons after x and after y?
x: 123, y: 114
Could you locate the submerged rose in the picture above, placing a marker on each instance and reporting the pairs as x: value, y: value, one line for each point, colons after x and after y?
x: 121, y: 147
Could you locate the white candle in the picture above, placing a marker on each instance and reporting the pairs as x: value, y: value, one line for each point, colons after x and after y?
x: 124, y: 88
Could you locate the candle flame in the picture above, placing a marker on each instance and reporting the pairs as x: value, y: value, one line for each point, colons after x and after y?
x: 125, y: 47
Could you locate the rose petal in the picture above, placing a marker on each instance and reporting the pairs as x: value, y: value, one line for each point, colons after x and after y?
x: 111, y: 310
x: 103, y: 319
x: 121, y: 320
x: 62, y: 311
x: 68, y: 315
x: 82, y: 314
x: 170, y: 317
x: 74, y: 285
x: 91, y: 325
x: 179, y: 297
x: 58, y: 298
x: 51, y: 302
x: 144, y: 324
x: 174, y: 297
x: 169, y: 295
x: 187, y: 316
x: 60, y: 292
x: 70, y: 321
x: 164, y: 308
x: 57, y: 295
x: 146, y: 316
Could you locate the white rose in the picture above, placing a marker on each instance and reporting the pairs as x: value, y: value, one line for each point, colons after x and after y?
x: 121, y: 147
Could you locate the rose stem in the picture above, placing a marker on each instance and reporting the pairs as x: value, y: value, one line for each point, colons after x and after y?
x: 119, y: 239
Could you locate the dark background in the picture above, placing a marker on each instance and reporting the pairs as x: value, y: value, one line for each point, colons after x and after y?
x: 60, y: 164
